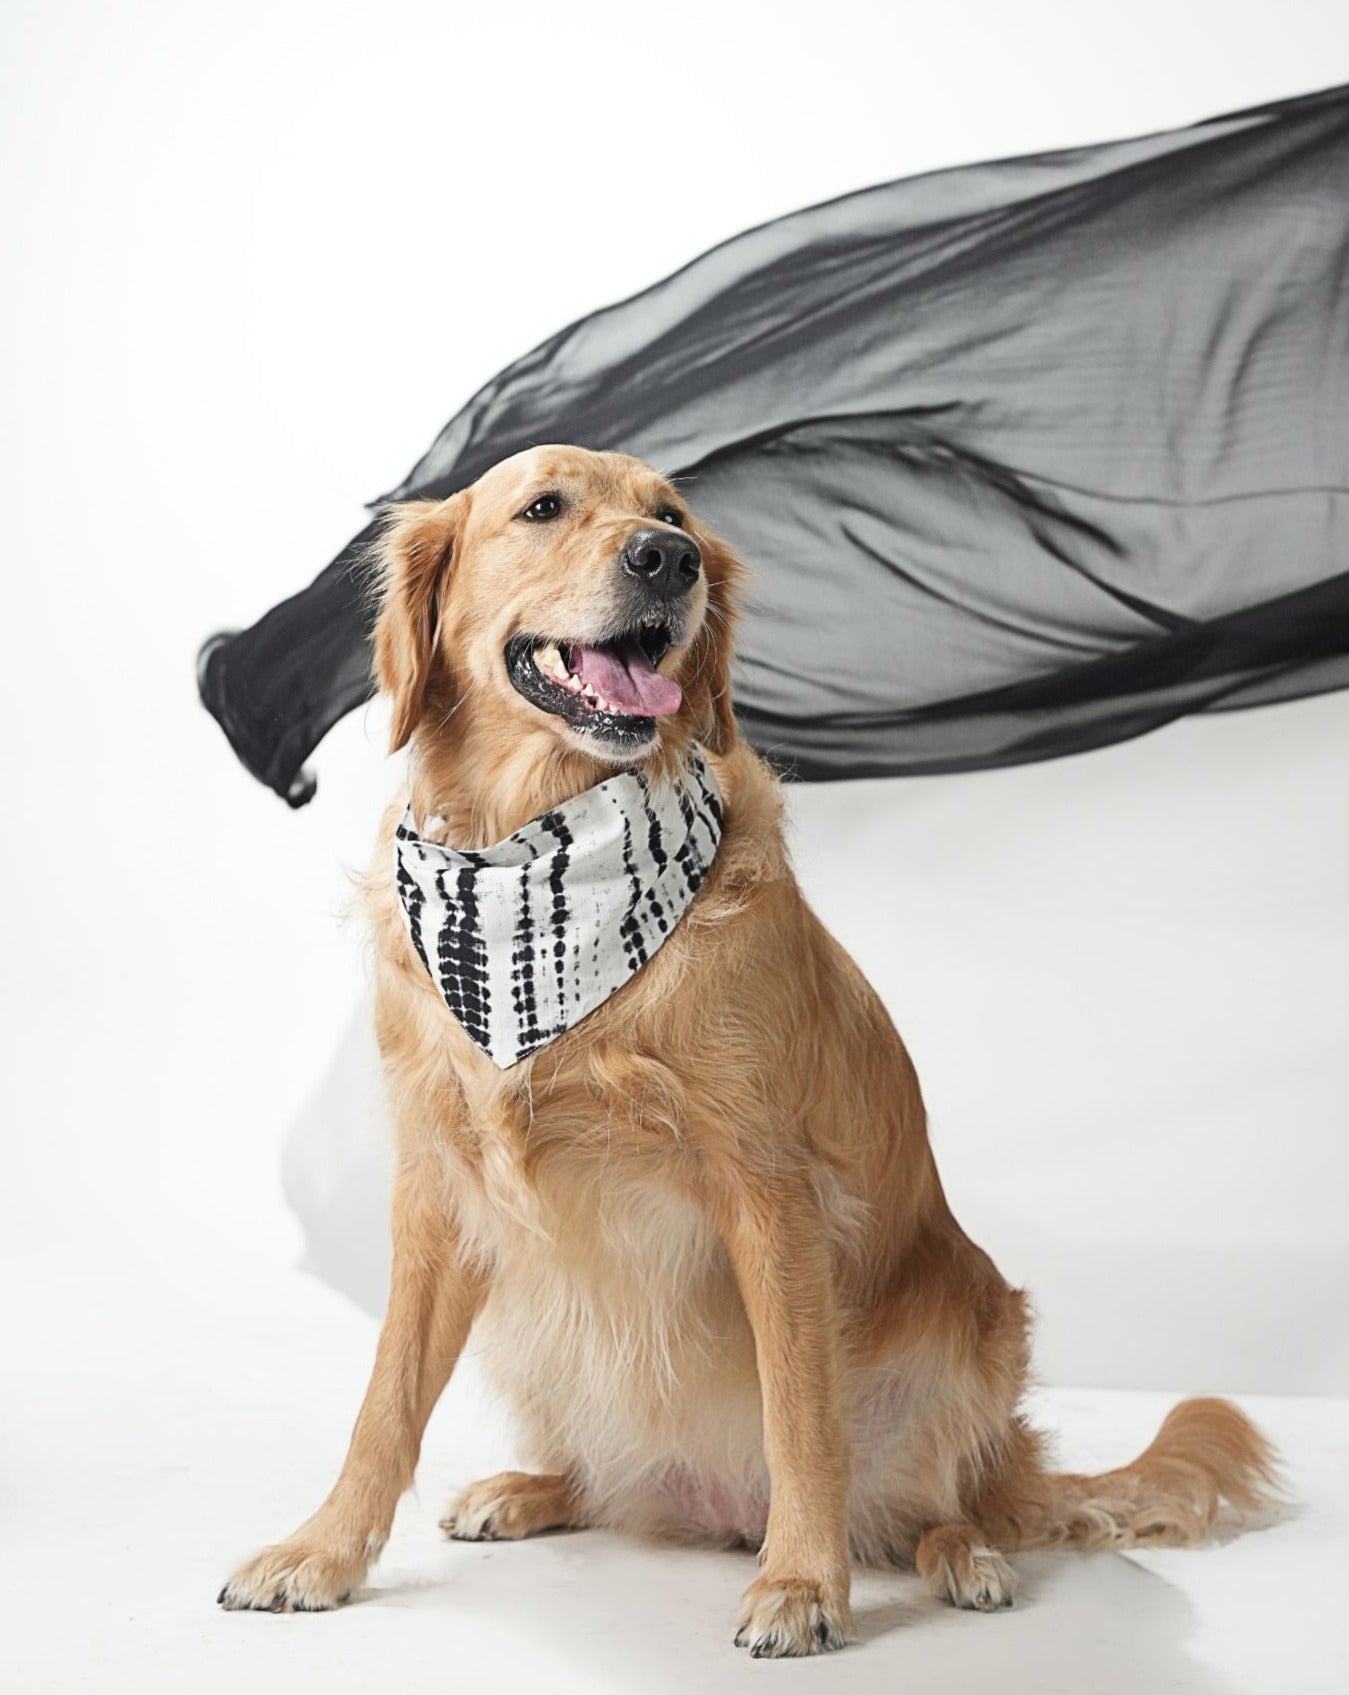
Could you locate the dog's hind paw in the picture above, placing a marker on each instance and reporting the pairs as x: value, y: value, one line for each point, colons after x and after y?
x: 990, y: 1585
x: 966, y: 1572
x: 510, y: 1505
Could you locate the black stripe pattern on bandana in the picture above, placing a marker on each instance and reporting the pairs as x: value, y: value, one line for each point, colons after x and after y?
x: 525, y: 938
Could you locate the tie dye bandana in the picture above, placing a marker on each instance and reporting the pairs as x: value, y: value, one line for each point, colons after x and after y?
x: 525, y: 938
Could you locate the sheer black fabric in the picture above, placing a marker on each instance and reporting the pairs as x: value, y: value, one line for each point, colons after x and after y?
x: 1029, y: 457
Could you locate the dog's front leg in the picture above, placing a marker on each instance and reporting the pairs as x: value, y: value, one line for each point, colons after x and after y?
x: 433, y: 1297
x: 777, y: 1244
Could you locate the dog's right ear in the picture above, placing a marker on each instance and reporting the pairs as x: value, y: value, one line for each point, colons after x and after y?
x: 414, y: 556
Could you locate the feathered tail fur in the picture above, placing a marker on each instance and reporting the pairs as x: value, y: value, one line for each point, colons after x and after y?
x: 1207, y: 1452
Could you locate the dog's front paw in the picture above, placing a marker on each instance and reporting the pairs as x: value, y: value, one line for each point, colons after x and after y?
x: 788, y: 1617
x: 293, y: 1577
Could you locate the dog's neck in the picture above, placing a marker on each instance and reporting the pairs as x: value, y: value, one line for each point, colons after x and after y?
x: 485, y: 785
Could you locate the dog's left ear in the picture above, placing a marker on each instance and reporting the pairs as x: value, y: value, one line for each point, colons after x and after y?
x: 415, y: 553
x: 709, y: 686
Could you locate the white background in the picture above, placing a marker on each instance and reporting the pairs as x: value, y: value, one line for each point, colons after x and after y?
x: 253, y: 256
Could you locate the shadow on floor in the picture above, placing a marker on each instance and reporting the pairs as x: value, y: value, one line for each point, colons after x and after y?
x: 657, y: 1619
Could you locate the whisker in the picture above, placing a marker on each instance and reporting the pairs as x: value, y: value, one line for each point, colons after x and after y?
x: 458, y: 703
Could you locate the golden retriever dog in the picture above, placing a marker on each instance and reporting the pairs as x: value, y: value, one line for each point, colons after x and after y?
x: 699, y: 1237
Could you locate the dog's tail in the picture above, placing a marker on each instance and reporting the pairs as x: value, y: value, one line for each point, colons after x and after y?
x: 1207, y: 1452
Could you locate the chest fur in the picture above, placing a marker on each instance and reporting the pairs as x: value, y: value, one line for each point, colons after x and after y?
x: 611, y: 1293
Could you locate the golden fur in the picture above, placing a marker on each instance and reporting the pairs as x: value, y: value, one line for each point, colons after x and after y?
x: 701, y: 1237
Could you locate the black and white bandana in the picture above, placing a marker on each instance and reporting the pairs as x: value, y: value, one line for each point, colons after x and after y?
x: 523, y: 939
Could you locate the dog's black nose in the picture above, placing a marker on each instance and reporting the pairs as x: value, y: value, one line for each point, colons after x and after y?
x: 666, y: 559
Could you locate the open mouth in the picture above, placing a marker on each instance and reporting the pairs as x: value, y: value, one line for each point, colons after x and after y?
x: 609, y: 690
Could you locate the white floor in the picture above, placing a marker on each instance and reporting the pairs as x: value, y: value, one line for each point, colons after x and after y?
x: 213, y: 1412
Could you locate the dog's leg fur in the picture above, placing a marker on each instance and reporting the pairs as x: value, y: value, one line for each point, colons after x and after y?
x: 781, y: 1258
x: 432, y: 1302
x: 511, y: 1505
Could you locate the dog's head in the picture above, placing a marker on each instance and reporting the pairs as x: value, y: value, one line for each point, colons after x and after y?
x: 567, y: 599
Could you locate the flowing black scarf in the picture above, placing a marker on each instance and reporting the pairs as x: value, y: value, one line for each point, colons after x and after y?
x: 1030, y: 457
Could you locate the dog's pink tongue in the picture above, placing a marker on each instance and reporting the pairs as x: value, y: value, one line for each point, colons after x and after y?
x: 627, y: 679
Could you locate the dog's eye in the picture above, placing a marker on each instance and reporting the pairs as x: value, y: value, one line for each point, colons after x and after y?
x: 671, y: 515
x: 541, y: 510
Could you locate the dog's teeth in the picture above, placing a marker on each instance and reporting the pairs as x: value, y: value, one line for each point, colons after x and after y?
x: 548, y: 659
